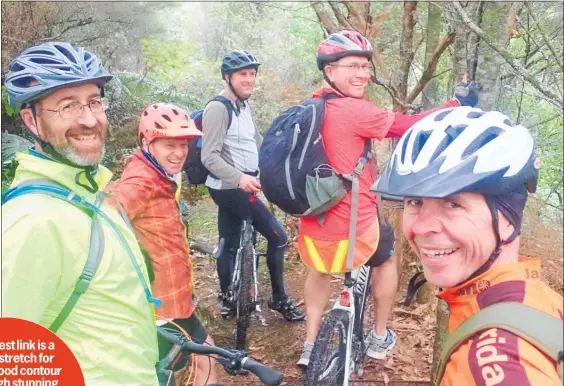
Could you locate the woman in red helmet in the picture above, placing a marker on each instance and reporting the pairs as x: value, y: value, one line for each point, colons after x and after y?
x: 345, y: 60
x: 149, y: 191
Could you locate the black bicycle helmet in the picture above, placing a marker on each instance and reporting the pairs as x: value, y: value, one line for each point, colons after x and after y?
x: 238, y: 60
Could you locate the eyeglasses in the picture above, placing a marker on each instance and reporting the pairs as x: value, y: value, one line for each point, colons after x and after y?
x: 355, y: 67
x: 75, y: 109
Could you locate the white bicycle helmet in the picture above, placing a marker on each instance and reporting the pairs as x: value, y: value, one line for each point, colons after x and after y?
x: 465, y: 149
x: 461, y: 149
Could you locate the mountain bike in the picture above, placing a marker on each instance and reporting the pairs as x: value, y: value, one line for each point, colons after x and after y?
x: 340, y: 350
x: 243, y: 291
x: 231, y: 359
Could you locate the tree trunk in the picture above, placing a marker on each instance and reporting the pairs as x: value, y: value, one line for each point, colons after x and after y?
x: 460, y: 64
x: 433, y: 35
x: 401, y: 76
x: 490, y: 62
x: 473, y: 43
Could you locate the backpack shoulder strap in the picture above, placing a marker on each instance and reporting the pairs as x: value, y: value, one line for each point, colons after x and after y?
x: 353, y: 178
x: 229, y: 106
x: 96, y: 249
x: 546, y: 332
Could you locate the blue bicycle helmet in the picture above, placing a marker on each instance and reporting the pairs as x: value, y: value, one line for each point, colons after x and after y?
x: 43, y: 69
x: 238, y: 60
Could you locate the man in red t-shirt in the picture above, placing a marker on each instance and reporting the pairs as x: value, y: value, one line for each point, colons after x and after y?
x: 344, y: 58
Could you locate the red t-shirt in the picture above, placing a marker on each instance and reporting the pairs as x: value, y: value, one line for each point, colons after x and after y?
x: 347, y: 124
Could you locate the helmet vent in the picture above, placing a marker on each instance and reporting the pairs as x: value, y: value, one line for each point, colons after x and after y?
x: 451, y: 134
x: 159, y: 126
x: 404, y: 147
x: 44, y: 61
x: 41, y: 52
x: 439, y: 117
x: 454, y: 131
x: 508, y: 122
x: 475, y: 114
x: 24, y: 82
x: 17, y: 67
x: 175, y: 111
x: 66, y: 52
x: 482, y: 140
x: 420, y: 141
x: 167, y: 117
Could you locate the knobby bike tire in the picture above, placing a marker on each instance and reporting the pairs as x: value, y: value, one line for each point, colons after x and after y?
x: 244, y: 301
x: 336, y: 320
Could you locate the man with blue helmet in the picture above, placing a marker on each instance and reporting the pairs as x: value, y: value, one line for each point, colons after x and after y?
x: 465, y: 175
x: 57, y: 90
x: 230, y: 153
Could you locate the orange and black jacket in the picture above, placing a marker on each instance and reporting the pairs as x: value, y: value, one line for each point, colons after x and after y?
x: 495, y: 356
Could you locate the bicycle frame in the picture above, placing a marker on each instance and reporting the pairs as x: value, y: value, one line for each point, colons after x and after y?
x: 353, y: 294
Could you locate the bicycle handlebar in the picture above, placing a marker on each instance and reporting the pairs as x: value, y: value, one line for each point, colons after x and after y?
x: 237, y: 359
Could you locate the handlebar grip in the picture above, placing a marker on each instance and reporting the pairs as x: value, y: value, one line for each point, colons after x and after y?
x: 266, y: 374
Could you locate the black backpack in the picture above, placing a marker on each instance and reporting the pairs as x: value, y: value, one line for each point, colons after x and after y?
x: 194, y: 170
x: 294, y: 171
x: 295, y: 174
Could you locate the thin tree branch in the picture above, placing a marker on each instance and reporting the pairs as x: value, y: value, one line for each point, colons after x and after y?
x: 377, y: 56
x: 514, y: 63
x: 353, y: 13
x: 324, y: 17
x: 431, y: 66
x: 81, y: 23
x: 547, y: 42
x: 530, y: 127
x: 339, y: 15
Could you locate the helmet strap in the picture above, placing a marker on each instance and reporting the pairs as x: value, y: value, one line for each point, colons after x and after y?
x: 331, y: 83
x: 498, y: 242
x: 49, y: 150
x: 239, y: 99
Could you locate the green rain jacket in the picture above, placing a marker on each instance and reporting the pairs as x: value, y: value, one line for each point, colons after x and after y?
x: 45, y: 243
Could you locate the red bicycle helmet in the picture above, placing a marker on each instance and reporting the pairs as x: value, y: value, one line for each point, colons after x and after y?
x: 341, y: 44
x: 162, y: 120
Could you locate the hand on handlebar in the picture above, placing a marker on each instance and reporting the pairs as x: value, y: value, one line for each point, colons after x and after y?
x: 249, y: 184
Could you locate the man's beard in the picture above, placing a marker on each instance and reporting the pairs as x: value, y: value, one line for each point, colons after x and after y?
x: 72, y: 155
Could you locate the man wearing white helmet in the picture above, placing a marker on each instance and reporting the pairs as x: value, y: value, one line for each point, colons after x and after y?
x: 47, y: 241
x: 464, y: 175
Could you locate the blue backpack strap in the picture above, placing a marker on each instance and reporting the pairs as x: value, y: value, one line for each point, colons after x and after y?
x: 96, y: 250
x: 229, y: 106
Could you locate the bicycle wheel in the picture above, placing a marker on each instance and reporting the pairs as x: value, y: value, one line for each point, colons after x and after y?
x: 327, y: 361
x: 244, y: 301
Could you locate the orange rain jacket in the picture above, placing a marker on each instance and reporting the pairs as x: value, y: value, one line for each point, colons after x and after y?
x: 151, y: 201
x: 496, y: 356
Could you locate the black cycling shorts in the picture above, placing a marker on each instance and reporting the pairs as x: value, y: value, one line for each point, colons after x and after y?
x: 385, y: 246
x: 194, y: 328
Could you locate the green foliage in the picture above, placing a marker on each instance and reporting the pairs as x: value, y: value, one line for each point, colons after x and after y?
x: 7, y: 108
x: 8, y: 172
